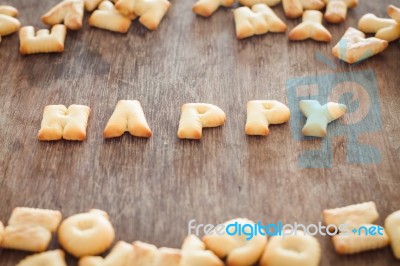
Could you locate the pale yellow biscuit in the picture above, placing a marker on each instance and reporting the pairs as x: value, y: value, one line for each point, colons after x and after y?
x: 354, y: 47
x: 59, y: 122
x: 8, y: 25
x: 258, y: 20
x: 168, y: 257
x: 120, y: 255
x: 148, y: 255
x: 195, y: 116
x: 251, y: 3
x: 359, y: 242
x: 394, y: 12
x: 194, y: 253
x: 44, y: 41
x: 237, y: 249
x: 9, y: 11
x: 260, y: 114
x: 392, y: 227
x: 206, y: 8
x: 26, y: 237
x: 48, y: 258
x: 91, y: 5
x: 384, y: 28
x: 297, y: 249
x: 128, y: 116
x: 69, y: 12
x: 86, y: 234
x: 108, y: 18
x: 336, y: 10
x: 295, y: 8
x: 151, y: 12
x: 311, y: 27
x: 49, y: 219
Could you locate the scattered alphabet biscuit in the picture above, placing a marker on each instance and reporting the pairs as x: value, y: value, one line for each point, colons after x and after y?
x: 32, y: 238
x: 9, y: 11
x: 49, y: 219
x: 120, y: 255
x: 392, y: 227
x: 251, y: 3
x: 108, y: 18
x: 354, y: 47
x: 8, y: 23
x: 394, y: 12
x: 311, y: 27
x: 295, y: 8
x: 206, y: 8
x: 258, y: 20
x: 60, y: 122
x: 44, y: 41
x: 195, y: 116
x: 318, y: 117
x: 336, y: 10
x: 362, y: 213
x: 260, y: 114
x: 128, y: 116
x: 194, y: 253
x: 384, y: 28
x: 69, y: 12
x: 53, y: 258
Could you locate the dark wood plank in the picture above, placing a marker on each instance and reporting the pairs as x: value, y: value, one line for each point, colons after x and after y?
x: 153, y: 188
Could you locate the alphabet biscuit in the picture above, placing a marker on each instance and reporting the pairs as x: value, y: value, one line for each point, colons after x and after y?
x: 9, y: 11
x: 59, y: 122
x: 194, y: 253
x: 48, y: 219
x: 260, y: 114
x: 8, y: 23
x: 363, y: 213
x: 258, y: 20
x: 195, y: 116
x: 311, y: 27
x: 128, y: 116
x: 43, y: 42
x: 295, y: 8
x: 336, y: 10
x: 68, y: 11
x: 354, y: 47
x: 53, y: 258
x: 385, y: 28
x: 394, y: 13
x: 108, y: 18
x: 392, y: 227
x: 32, y: 238
x: 120, y: 255
x: 251, y: 3
x: 206, y: 8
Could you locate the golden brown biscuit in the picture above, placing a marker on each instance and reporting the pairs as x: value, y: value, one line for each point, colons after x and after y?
x: 295, y: 8
x: 392, y: 227
x: 49, y: 258
x: 206, y: 8
x: 195, y: 116
x: 86, y: 234
x: 59, y: 122
x: 120, y: 255
x: 194, y: 253
x: 91, y: 5
x: 237, y: 250
x: 148, y: 255
x: 9, y: 11
x: 68, y: 11
x: 8, y: 24
x: 363, y: 213
x: 43, y: 41
x: 251, y: 3
x: 311, y: 27
x: 260, y: 19
x: 108, y: 18
x: 48, y: 219
x: 385, y: 28
x: 128, y: 116
x: 394, y: 12
x: 336, y: 10
x: 354, y: 47
x: 151, y: 12
x: 1, y: 232
x: 260, y: 114
x: 26, y: 237
x: 355, y: 243
x: 297, y: 249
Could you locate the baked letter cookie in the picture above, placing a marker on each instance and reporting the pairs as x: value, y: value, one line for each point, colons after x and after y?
x: 120, y: 255
x: 147, y: 254
x: 86, y: 234
x: 237, y: 249
x: 91, y: 5
x: 394, y: 13
x: 53, y: 258
x: 194, y: 253
x: 195, y: 116
x: 59, y: 122
x: 48, y: 219
x: 258, y: 20
x: 318, y: 117
x: 363, y: 213
x: 295, y: 8
x: 151, y: 12
x: 68, y: 11
x: 336, y: 10
x: 392, y: 227
x: 32, y: 238
x: 260, y: 114
x: 44, y: 41
x: 354, y: 47
x: 206, y: 8
x: 251, y: 3
x: 311, y: 27
x: 108, y: 18
x: 128, y: 116
x: 298, y: 249
x: 8, y: 23
x: 385, y: 28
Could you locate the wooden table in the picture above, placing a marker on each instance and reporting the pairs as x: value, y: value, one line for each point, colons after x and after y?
x: 153, y: 188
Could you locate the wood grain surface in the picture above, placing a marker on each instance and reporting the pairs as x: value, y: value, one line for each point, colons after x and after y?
x: 153, y: 188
